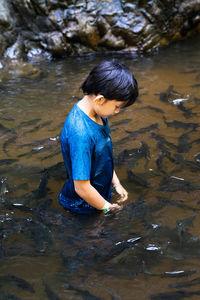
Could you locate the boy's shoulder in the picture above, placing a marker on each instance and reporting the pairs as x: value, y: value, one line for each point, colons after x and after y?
x: 76, y: 124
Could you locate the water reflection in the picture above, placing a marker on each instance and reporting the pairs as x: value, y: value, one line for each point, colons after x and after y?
x: 147, y: 250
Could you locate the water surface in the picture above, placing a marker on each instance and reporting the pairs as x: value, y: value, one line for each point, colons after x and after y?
x: 148, y: 250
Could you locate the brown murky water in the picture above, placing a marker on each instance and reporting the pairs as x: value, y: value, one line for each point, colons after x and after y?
x: 148, y: 250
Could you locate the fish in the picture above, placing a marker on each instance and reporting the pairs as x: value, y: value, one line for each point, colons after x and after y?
x: 187, y: 163
x: 197, y: 78
x: 180, y: 100
x: 162, y: 140
x: 156, y: 109
x: 21, y: 283
x: 57, y: 152
x: 42, y: 190
x: 137, y: 179
x: 178, y: 124
x: 38, y: 127
x: 195, y: 86
x: 197, y: 157
x: 40, y: 234
x: 8, y: 161
x: 186, y: 112
x: 170, y: 185
x: 49, y: 140
x: 179, y: 273
x: 83, y: 293
x: 5, y: 130
x: 182, y: 225
x: 142, y: 130
x: 51, y: 294
x: 9, y: 296
x: 159, y: 161
x: 178, y: 203
x: 121, y: 122
x: 172, y: 274
x: 9, y: 141
x: 28, y: 123
x: 178, y: 295
x: 183, y: 145
x: 164, y: 97
x: 56, y: 171
x: 133, y: 154
x: 37, y: 150
x: 185, y: 284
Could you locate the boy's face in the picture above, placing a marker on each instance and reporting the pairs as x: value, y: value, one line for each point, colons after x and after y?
x: 105, y: 108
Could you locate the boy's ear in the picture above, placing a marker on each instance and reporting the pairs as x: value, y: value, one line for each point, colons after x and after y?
x: 99, y: 99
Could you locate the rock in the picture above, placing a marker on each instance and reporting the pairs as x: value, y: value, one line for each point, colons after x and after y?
x: 4, y: 13
x: 111, y: 41
x: 16, y: 50
x: 30, y: 29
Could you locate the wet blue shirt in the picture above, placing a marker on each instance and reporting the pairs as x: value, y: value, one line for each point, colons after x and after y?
x: 88, y: 155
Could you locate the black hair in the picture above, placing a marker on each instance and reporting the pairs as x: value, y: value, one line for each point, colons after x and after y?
x: 113, y: 80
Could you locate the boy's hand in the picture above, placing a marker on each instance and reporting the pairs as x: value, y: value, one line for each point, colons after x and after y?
x: 122, y: 192
x: 115, y: 207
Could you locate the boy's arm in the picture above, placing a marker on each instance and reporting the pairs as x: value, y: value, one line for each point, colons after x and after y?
x: 88, y: 193
x: 119, y: 188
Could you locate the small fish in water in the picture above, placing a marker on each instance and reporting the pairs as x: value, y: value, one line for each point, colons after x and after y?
x: 185, y: 284
x: 183, y: 145
x: 5, y: 130
x: 178, y: 101
x: 8, y: 296
x: 28, y: 123
x: 183, y: 224
x: 187, y: 163
x: 178, y: 124
x: 8, y: 161
x: 57, y: 152
x: 137, y: 179
x: 186, y: 112
x: 174, y: 185
x: 37, y: 150
x: 118, y: 123
x: 178, y: 295
x: 51, y: 294
x: 164, y: 97
x: 197, y: 157
x: 142, y: 130
x: 42, y: 190
x: 83, y: 293
x: 21, y: 283
x: 180, y: 273
x: 40, y: 126
x: 9, y: 141
x: 195, y: 86
x: 134, y: 154
x: 158, y: 110
x: 162, y: 140
x: 50, y: 140
x: 172, y: 274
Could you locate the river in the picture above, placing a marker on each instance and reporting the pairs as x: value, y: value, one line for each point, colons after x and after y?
x: 150, y: 248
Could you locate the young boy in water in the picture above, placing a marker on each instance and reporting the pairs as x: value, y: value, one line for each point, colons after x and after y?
x: 86, y: 143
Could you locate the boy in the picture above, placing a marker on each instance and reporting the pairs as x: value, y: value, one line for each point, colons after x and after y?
x: 86, y: 143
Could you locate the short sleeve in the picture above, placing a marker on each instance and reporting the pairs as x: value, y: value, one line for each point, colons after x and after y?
x: 80, y: 148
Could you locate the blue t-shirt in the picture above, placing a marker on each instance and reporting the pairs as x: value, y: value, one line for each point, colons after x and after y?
x: 88, y: 155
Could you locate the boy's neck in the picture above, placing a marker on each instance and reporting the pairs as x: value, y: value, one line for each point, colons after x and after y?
x: 86, y: 104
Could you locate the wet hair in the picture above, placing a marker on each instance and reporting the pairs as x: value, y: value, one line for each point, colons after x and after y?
x: 113, y: 80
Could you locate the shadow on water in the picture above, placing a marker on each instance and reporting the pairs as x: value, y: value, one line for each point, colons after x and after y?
x: 150, y: 248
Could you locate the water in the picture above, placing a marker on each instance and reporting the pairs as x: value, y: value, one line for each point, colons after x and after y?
x: 152, y: 245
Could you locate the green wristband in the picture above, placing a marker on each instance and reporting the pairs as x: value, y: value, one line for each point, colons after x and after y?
x: 106, y: 207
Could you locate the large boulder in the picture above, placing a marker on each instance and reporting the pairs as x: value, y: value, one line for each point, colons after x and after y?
x: 36, y: 29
